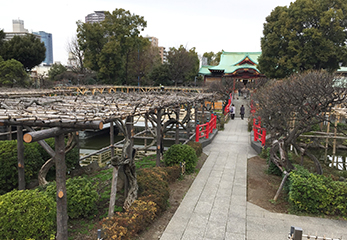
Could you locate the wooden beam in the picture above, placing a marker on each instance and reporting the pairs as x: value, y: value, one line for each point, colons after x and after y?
x: 114, y: 175
x: 97, y: 125
x: 177, y: 129
x: 47, y: 133
x: 42, y: 143
x: 61, y: 198
x: 20, y: 157
x: 159, y: 150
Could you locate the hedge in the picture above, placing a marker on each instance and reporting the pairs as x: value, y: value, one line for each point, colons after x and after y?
x: 9, y: 162
x: 317, y: 194
x: 153, y: 196
x: 178, y: 154
x: 34, y: 157
x: 27, y: 214
x: 81, y: 196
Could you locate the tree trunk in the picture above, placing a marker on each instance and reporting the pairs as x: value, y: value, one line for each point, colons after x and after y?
x: 133, y: 187
x: 71, y: 143
x: 20, y: 157
x: 61, y: 198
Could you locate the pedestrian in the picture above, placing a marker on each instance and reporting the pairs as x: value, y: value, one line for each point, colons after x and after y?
x: 242, y: 112
x: 232, y: 111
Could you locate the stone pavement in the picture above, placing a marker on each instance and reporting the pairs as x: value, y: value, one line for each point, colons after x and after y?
x: 215, y: 207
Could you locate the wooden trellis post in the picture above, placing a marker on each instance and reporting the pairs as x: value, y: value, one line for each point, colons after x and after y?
x: 114, y: 175
x: 188, y: 121
x: 177, y: 133
x: 159, y: 137
x: 203, y: 112
x: 60, y: 166
x: 146, y: 129
x: 20, y: 157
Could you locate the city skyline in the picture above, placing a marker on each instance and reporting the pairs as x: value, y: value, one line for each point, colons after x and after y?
x: 208, y: 26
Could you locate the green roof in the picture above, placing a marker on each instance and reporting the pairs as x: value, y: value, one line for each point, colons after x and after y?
x: 229, y: 60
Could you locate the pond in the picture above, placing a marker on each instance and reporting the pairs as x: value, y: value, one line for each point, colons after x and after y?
x: 337, y: 161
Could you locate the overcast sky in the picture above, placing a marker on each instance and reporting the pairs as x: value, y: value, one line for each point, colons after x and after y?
x: 207, y: 25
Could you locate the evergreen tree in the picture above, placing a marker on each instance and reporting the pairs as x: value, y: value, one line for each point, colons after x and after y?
x: 309, y: 34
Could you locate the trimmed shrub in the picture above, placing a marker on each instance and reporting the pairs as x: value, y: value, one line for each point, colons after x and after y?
x: 81, y: 196
x: 316, y: 194
x: 9, y: 164
x: 153, y: 199
x: 179, y: 153
x: 27, y: 214
x: 126, y: 225
x: 153, y: 186
x: 173, y: 173
x: 34, y: 157
x: 196, y: 146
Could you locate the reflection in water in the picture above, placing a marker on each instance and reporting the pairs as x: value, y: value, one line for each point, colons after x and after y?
x: 338, y: 162
x: 102, y: 139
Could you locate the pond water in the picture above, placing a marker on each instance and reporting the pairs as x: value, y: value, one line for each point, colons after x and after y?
x: 102, y: 140
x: 338, y: 161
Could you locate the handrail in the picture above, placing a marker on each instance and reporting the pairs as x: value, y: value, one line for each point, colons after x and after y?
x: 259, y: 132
x: 204, y: 130
x: 227, y: 107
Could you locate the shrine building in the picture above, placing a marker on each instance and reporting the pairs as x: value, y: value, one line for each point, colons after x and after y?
x: 240, y: 66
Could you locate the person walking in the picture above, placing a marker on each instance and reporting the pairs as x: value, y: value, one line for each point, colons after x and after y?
x: 242, y: 112
x: 232, y: 111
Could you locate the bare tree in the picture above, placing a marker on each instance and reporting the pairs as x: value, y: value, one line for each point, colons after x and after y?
x: 76, y: 56
x: 292, y: 106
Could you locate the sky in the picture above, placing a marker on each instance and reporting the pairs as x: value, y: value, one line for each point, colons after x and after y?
x: 207, y: 25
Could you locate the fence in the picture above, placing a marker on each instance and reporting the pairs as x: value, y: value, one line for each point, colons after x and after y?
x: 227, y: 107
x: 297, y: 234
x: 258, y: 131
x: 204, y: 130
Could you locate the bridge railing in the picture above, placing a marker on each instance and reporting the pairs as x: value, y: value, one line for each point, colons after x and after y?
x: 204, y: 130
x: 258, y: 131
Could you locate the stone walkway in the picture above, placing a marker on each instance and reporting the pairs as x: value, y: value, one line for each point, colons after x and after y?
x: 216, y: 207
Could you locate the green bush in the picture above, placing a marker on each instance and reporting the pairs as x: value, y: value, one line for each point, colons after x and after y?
x: 196, y: 146
x: 317, y: 194
x: 34, y: 157
x: 81, y: 196
x: 153, y: 186
x: 179, y: 153
x: 126, y: 225
x: 173, y: 173
x: 71, y: 158
x: 27, y: 214
x: 152, y: 200
x: 9, y: 164
x: 272, y: 168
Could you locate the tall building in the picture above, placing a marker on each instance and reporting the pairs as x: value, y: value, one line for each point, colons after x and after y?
x: 46, y: 38
x: 18, y: 30
x: 155, y: 43
x: 18, y: 26
x: 97, y: 16
x: 162, y: 54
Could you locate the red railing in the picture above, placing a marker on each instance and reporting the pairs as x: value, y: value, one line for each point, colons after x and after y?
x: 258, y: 131
x: 204, y: 130
x: 227, y: 107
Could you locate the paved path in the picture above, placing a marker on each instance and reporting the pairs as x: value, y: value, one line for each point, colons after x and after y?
x: 216, y: 207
